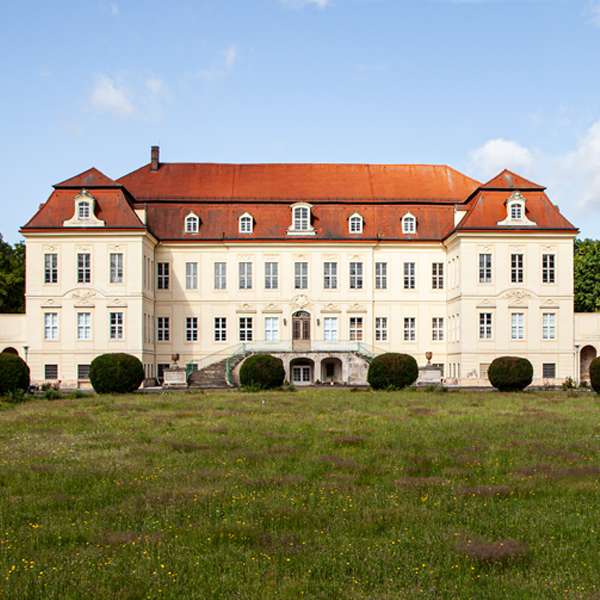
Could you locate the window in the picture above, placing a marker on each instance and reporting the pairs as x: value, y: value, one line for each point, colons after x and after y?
x: 330, y: 329
x: 330, y: 276
x: 83, y: 211
x: 116, y: 268
x: 50, y: 371
x: 516, y: 212
x: 50, y: 268
x: 356, y: 329
x: 301, y: 373
x: 163, y: 331
x: 548, y: 269
x: 192, y: 224
x: 381, y: 276
x: 83, y: 371
x: 272, y: 329
x: 246, y: 224
x: 50, y: 326
x: 191, y: 276
x: 410, y: 329
x: 381, y: 329
x: 409, y: 224
x: 485, y: 268
x: 220, y: 276
x: 116, y: 326
x: 516, y: 268
x: 160, y: 371
x: 221, y: 329
x: 84, y: 326
x: 355, y: 224
x: 191, y: 329
x: 517, y: 326
x: 84, y: 271
x: 549, y: 326
x: 245, y: 272
x: 246, y: 329
x: 437, y: 329
x: 437, y: 276
x: 301, y: 275
x: 548, y: 370
x: 356, y: 276
x: 485, y: 326
x: 271, y: 276
x: 162, y: 276
x: 409, y: 276
x: 301, y: 218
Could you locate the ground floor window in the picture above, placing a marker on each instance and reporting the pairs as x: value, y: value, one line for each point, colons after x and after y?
x: 160, y: 371
x: 549, y: 370
x: 50, y: 371
x: 356, y: 329
x: 272, y: 329
x: 220, y: 329
x: 301, y: 374
x: 245, y: 329
x: 83, y: 371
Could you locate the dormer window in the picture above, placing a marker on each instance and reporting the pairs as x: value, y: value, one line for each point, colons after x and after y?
x: 355, y: 223
x: 409, y: 224
x: 516, y: 212
x: 192, y: 223
x: 301, y: 220
x: 83, y: 211
x: 84, y: 214
x: 246, y: 223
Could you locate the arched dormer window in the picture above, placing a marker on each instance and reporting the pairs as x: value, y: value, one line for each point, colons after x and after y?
x: 516, y: 212
x: 192, y: 223
x: 355, y: 223
x: 83, y: 210
x: 409, y: 224
x: 301, y: 220
x: 246, y: 223
x: 84, y: 214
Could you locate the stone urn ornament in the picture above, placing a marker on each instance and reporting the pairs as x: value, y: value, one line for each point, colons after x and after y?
x: 175, y: 358
x: 428, y: 356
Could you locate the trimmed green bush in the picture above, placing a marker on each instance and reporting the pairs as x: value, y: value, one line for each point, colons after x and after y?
x: 117, y: 373
x: 392, y: 371
x: 262, y: 371
x: 14, y: 373
x: 595, y: 374
x: 510, y: 373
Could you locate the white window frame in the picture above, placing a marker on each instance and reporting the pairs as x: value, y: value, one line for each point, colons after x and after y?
x: 410, y: 329
x: 410, y: 282
x: 517, y: 267
x: 437, y: 329
x: 330, y: 278
x: 437, y: 276
x: 356, y: 329
x: 381, y: 329
x: 549, y: 268
x: 409, y: 224
x: 192, y: 224
x: 485, y: 267
x: 116, y: 326
x: 220, y: 329
x: 549, y: 326
x: 51, y: 268
x: 84, y: 210
x: 355, y: 224
x: 163, y: 329
x: 84, y: 326
x: 381, y: 275
x: 517, y: 326
x: 486, y: 321
x: 271, y: 276
x: 245, y: 275
x: 191, y: 275
x: 246, y: 224
x: 84, y: 267
x: 330, y: 329
x: 301, y: 220
x: 163, y: 275
x: 220, y: 271
x: 272, y: 329
x: 301, y: 275
x: 246, y: 329
x: 356, y: 276
x: 191, y: 329
x: 50, y: 326
x: 116, y: 267
x: 516, y: 211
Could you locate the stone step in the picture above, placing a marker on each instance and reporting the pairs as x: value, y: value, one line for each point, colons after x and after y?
x: 211, y: 377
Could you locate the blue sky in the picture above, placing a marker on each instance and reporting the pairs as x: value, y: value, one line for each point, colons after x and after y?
x: 479, y: 85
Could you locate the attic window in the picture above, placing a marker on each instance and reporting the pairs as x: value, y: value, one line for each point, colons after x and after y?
x: 192, y: 224
x: 301, y: 220
x: 516, y: 212
x: 83, y: 210
x: 355, y: 223
x: 409, y: 224
x: 246, y: 223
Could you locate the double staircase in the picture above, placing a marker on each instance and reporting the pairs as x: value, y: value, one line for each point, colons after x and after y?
x: 213, y: 377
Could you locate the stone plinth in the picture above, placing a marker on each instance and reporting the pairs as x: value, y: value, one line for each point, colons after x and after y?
x: 429, y: 375
x: 175, y: 378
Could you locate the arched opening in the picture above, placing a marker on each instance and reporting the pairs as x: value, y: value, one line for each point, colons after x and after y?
x: 301, y: 371
x: 331, y: 370
x: 301, y: 330
x: 10, y: 350
x: 587, y: 355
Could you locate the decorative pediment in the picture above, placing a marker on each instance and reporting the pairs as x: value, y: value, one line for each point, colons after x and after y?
x: 331, y: 308
x: 246, y: 308
x: 517, y: 298
x: 272, y: 308
x: 51, y: 303
x: 117, y: 303
x: 300, y: 301
x: 550, y: 303
x: 85, y: 212
x: 84, y: 298
x: 357, y: 308
x: 487, y: 303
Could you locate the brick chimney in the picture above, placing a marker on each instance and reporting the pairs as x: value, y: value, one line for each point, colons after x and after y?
x: 154, y: 158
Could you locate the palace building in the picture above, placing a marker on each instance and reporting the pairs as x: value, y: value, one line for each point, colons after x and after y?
x: 323, y: 265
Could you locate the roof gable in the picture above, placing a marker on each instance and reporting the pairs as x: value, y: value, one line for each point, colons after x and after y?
x: 507, y: 180
x: 92, y: 178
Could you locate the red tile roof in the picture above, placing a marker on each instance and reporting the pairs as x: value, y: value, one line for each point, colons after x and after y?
x: 92, y: 178
x: 507, y: 180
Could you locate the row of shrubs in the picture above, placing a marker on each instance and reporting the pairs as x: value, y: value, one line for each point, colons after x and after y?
x: 124, y: 373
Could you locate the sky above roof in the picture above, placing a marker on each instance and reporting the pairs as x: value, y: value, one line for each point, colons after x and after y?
x: 479, y: 85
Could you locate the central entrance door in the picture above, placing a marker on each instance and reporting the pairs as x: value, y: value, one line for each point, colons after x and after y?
x: 301, y: 330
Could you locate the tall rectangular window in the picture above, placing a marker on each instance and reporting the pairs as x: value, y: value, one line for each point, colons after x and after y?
x: 437, y: 276
x: 84, y: 326
x: 549, y: 326
x: 356, y: 276
x: 356, y: 329
x: 271, y: 276
x: 272, y: 329
x: 191, y: 329
x: 116, y: 331
x: 517, y: 326
x: 163, y: 329
x: 516, y: 268
x: 162, y: 276
x: 437, y: 329
x: 330, y: 276
x: 50, y: 268
x: 301, y: 218
x: 191, y: 276
x: 381, y: 276
x: 409, y: 276
x: 381, y: 329
x: 220, y: 276
x: 410, y: 329
x: 246, y: 330
x: 485, y: 326
x: 301, y: 275
x: 116, y: 268
x: 485, y: 268
x: 50, y: 326
x: 330, y: 329
x: 245, y: 273
x: 84, y: 270
x: 220, y: 329
x: 548, y: 268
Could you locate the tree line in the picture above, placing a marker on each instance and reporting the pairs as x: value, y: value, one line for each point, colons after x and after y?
x: 12, y: 277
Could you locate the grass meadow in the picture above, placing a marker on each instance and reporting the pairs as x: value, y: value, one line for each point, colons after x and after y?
x: 315, y: 494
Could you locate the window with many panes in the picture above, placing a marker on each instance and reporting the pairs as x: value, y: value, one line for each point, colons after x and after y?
x: 162, y: 276
x: 301, y: 220
x: 163, y: 329
x: 409, y: 224
x: 437, y: 276
x: 245, y: 275
x: 485, y: 326
x: 410, y: 329
x: 549, y: 326
x: 272, y: 329
x: 83, y: 211
x: 116, y: 267
x: 191, y: 276
x: 301, y: 275
x: 84, y: 326
x: 548, y: 370
x: 516, y: 211
x: 409, y: 275
x: 246, y: 329
x: 437, y: 329
x: 381, y: 329
x: 517, y: 326
x: 192, y: 224
x: 50, y: 268
x: 356, y: 276
x: 355, y: 224
x: 50, y: 371
x: 330, y: 275
x: 84, y: 268
x: 330, y: 329
x: 191, y: 329
x: 381, y: 276
x: 116, y: 330
x: 548, y: 268
x: 83, y: 371
x: 220, y: 329
x: 485, y: 268
x: 356, y: 329
x: 220, y: 276
x: 246, y: 224
x: 50, y: 326
x: 271, y: 276
x: 516, y: 268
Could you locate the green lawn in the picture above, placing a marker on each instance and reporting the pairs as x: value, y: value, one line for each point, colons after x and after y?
x: 315, y: 494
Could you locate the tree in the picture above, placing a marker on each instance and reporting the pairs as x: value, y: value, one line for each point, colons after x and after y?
x: 12, y: 277
x: 586, y: 275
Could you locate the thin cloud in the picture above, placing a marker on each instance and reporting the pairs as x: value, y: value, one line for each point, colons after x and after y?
x: 111, y: 97
x: 499, y: 154
x: 298, y: 4
x: 221, y: 67
x: 111, y: 8
x: 381, y: 68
